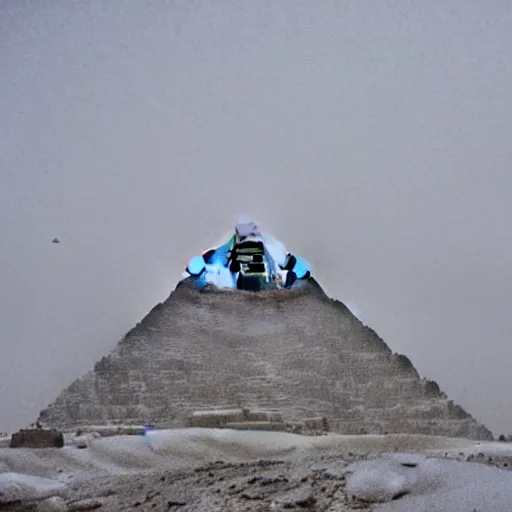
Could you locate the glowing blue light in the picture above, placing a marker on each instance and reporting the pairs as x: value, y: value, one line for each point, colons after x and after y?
x: 301, y: 267
x: 220, y: 256
x: 196, y: 265
x: 213, y: 266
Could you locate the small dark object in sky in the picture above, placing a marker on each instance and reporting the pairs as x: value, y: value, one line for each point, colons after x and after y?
x: 55, y: 241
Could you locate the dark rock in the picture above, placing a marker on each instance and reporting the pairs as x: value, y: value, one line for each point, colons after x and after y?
x: 37, y: 438
x: 251, y: 495
x: 83, y: 505
x: 268, y: 463
x: 432, y: 389
x: 399, y: 495
x: 152, y: 494
x: 176, y: 503
x: 306, y: 501
x: 106, y: 492
x: 300, y: 497
x: 273, y: 479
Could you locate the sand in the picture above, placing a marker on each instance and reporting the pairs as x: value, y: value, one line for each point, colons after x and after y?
x: 221, y: 470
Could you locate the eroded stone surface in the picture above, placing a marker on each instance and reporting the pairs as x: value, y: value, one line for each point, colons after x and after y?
x: 297, y: 352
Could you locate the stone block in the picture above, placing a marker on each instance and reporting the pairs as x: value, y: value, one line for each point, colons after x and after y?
x: 37, y: 438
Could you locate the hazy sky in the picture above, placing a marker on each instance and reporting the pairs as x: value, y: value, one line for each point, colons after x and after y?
x: 372, y: 137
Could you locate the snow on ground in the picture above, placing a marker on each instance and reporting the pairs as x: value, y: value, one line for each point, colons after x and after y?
x: 412, y: 468
x: 434, y: 485
x: 17, y: 486
x: 184, y: 447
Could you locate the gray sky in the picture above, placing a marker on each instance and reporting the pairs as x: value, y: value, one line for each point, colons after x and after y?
x: 373, y: 138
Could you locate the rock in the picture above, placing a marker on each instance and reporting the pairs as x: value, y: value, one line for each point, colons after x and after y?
x: 300, y: 497
x: 251, y: 495
x: 106, y: 492
x: 87, y: 504
x: 37, y: 438
x: 84, y: 439
x: 54, y: 504
x: 273, y: 478
x: 176, y: 503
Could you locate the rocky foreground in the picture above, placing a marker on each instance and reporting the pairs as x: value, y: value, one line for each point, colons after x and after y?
x: 186, y: 471
x: 222, y: 486
x: 264, y: 485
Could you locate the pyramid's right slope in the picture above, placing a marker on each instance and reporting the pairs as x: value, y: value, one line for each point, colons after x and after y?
x: 296, y: 351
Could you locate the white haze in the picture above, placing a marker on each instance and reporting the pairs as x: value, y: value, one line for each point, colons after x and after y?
x: 373, y: 138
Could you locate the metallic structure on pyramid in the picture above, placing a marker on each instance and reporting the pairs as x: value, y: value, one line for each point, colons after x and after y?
x: 249, y: 260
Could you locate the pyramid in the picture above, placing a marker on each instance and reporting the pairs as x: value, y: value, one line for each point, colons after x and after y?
x: 296, y: 351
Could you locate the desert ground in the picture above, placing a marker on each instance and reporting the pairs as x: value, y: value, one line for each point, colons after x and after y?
x: 202, y: 469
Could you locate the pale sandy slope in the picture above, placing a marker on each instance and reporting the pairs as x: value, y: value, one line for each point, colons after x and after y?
x: 182, y: 469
